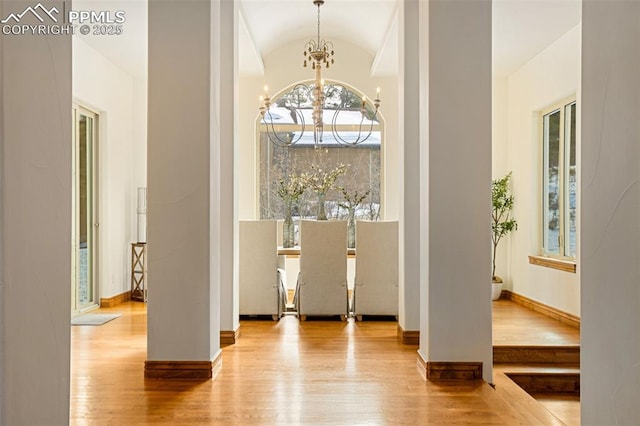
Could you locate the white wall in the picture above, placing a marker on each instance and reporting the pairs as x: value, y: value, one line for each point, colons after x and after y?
x: 246, y: 154
x: 139, y: 142
x: 499, y: 163
x: 610, y: 245
x: 499, y: 128
x: 549, y: 77
x: 35, y: 227
x: 101, y: 86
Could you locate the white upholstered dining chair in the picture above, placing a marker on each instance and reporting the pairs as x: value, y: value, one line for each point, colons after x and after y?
x: 376, y: 282
x: 281, y: 259
x: 280, y: 224
x: 322, y: 282
x: 261, y: 290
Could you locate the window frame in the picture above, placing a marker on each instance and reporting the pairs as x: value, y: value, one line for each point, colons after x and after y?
x: 564, y: 157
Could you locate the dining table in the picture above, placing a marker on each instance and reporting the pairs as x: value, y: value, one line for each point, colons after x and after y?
x: 295, y: 251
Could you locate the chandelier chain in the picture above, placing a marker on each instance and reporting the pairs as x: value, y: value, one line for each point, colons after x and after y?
x: 318, y: 24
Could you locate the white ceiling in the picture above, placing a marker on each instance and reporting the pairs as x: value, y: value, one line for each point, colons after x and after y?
x: 129, y: 49
x: 274, y: 23
x: 521, y: 29
x: 524, y: 28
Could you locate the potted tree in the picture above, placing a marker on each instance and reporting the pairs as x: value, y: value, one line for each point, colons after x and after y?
x: 501, y: 223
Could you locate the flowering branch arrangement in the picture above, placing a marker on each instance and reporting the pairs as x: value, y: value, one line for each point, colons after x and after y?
x: 353, y: 199
x: 292, y: 188
x: 321, y: 181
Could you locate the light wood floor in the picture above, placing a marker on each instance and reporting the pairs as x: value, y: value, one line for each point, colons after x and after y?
x: 564, y: 407
x: 277, y: 373
x: 516, y: 325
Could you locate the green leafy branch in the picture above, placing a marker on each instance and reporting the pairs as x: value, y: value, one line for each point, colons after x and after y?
x: 502, y: 223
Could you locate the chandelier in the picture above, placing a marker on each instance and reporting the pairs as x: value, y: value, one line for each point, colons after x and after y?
x: 354, y: 118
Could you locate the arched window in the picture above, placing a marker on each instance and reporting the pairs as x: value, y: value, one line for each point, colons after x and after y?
x: 278, y: 161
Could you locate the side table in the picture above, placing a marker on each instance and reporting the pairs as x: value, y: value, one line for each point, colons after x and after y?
x: 139, y: 271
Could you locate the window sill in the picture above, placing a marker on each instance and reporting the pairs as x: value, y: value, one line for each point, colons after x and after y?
x: 549, y: 262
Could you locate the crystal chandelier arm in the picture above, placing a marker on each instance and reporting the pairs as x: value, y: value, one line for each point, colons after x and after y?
x: 272, y: 135
x: 359, y: 138
x: 334, y: 120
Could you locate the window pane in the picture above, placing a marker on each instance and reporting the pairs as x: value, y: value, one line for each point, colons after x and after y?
x: 571, y: 184
x: 551, y: 211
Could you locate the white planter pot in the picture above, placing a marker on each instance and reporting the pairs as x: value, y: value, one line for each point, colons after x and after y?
x: 496, y: 289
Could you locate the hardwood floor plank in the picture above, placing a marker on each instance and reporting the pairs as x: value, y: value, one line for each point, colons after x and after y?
x: 565, y: 407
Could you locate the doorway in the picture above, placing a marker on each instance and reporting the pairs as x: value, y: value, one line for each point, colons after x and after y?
x: 84, y: 289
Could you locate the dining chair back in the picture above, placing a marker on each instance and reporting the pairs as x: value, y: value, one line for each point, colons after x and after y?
x: 376, y: 279
x: 261, y: 291
x: 322, y: 282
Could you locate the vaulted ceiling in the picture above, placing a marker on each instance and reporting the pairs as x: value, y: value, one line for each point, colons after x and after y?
x: 521, y: 29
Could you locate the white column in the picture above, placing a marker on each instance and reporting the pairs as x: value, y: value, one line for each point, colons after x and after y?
x: 456, y: 327
x: 610, y: 213
x: 410, y: 120
x: 183, y: 187
x: 35, y: 224
x: 229, y: 299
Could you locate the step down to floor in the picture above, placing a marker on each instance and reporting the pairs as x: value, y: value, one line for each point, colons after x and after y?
x: 544, y: 378
x: 567, y: 354
x: 548, y: 383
